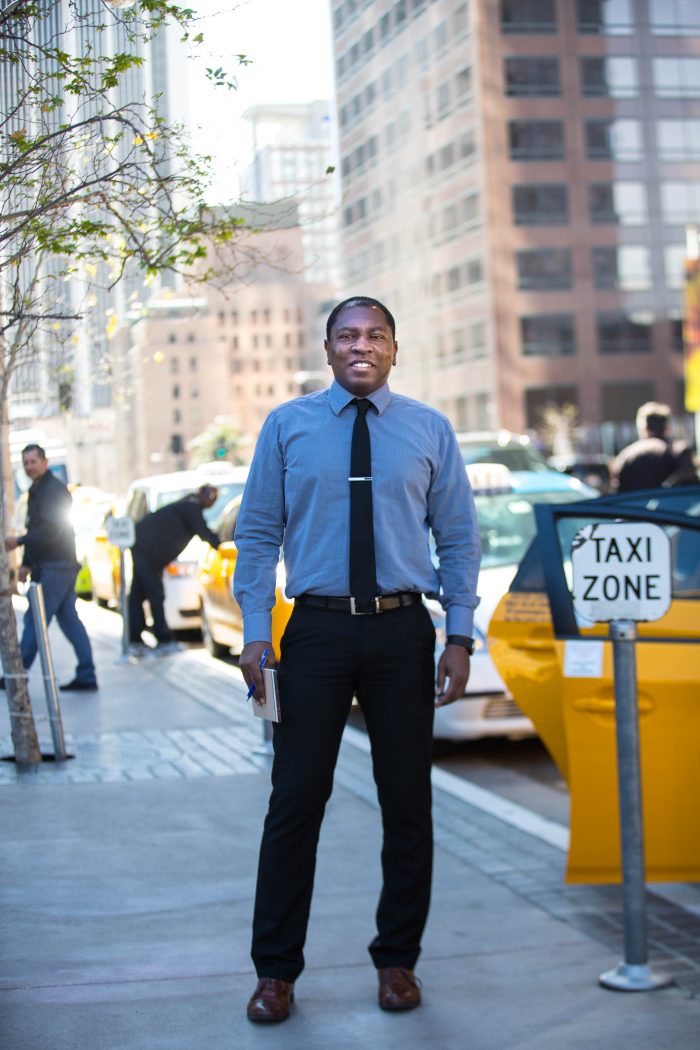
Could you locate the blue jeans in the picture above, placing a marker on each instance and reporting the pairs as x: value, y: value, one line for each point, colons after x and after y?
x: 57, y: 581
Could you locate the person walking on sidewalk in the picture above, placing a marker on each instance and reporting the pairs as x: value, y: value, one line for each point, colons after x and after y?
x: 352, y: 480
x: 50, y: 559
x: 160, y: 537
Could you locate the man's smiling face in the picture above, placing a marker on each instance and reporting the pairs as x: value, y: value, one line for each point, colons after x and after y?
x: 361, y: 349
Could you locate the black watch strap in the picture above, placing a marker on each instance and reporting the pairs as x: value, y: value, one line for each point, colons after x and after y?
x: 463, y: 640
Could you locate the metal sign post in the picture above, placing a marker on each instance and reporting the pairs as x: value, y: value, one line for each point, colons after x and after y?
x: 621, y: 575
x: 121, y: 532
x: 36, y: 602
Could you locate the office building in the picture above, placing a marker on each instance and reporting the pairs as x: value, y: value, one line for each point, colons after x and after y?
x: 63, y: 381
x: 516, y: 180
x: 230, y: 353
x: 293, y: 148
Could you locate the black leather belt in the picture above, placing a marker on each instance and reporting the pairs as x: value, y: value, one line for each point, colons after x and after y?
x: 381, y: 604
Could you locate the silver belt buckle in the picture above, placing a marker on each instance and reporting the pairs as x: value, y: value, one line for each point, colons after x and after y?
x: 354, y: 611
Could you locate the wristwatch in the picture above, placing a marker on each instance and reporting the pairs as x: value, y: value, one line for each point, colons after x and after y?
x: 461, y: 639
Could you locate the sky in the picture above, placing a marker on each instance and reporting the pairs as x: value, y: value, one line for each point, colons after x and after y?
x: 289, y: 45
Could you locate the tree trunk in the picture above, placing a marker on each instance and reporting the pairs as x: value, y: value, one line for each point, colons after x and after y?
x: 24, y: 735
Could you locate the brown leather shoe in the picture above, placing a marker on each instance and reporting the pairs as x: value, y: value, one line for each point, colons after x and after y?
x: 399, y: 989
x: 270, y: 1002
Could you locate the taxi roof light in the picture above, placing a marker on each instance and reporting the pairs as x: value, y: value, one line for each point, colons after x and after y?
x: 487, y: 479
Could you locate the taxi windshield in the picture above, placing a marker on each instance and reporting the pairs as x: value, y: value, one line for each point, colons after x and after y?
x: 507, y: 523
x: 513, y: 455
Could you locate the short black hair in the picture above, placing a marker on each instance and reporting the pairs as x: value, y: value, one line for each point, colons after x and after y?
x: 359, y: 300
x: 34, y: 448
x: 655, y: 416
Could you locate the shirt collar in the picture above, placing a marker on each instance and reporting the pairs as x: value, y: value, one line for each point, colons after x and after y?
x: 339, y: 397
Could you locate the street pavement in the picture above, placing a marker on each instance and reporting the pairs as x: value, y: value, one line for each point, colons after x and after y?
x: 128, y: 875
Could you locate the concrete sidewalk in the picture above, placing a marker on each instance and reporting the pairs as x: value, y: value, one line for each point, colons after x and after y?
x: 128, y: 876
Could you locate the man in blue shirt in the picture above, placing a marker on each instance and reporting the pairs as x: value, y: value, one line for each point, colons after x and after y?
x: 352, y: 480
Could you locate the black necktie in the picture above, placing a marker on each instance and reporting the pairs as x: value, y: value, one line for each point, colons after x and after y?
x: 363, y: 570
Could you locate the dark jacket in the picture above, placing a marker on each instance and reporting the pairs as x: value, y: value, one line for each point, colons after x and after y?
x: 49, y: 538
x: 162, y: 535
x: 652, y: 462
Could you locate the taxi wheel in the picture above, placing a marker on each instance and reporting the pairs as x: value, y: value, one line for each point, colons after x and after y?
x: 213, y: 647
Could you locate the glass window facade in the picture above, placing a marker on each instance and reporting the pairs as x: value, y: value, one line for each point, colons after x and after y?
x: 613, y: 140
x: 627, y: 267
x: 528, y: 16
x: 621, y: 203
x: 536, y: 139
x: 477, y: 339
x: 540, y: 204
x: 460, y: 20
x: 677, y: 77
x: 614, y: 17
x: 678, y: 139
x: 609, y: 77
x: 464, y: 84
x: 674, y: 17
x: 621, y: 333
x: 680, y: 202
x: 674, y: 265
x: 547, y: 335
x: 620, y: 401
x: 531, y: 77
x: 545, y: 269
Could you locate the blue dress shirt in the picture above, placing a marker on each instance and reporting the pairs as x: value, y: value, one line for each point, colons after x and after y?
x: 298, y: 495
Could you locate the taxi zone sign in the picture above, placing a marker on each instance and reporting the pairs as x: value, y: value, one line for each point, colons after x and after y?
x: 621, y: 571
x: 121, y: 532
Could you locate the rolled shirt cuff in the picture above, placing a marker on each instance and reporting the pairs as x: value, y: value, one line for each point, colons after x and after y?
x: 257, y: 627
x: 459, y: 620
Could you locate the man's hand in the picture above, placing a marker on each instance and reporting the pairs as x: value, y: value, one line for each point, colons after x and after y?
x: 249, y: 663
x: 453, y: 664
x: 11, y: 543
x: 23, y: 573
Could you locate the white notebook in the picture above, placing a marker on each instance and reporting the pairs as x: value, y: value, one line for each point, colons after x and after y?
x: 270, y: 708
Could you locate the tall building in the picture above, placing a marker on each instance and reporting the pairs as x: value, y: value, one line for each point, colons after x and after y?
x: 232, y: 352
x: 516, y: 179
x: 64, y: 383
x: 293, y: 148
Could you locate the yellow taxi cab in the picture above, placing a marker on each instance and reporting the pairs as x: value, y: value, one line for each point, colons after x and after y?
x: 560, y: 667
x: 221, y: 616
x: 103, y: 563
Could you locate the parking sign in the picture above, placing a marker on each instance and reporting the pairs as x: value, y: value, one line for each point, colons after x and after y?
x: 621, y: 571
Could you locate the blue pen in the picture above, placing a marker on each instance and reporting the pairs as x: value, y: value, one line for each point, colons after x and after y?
x: 263, y: 658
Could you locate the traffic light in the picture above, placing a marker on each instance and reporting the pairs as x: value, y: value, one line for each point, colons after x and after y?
x: 220, y: 450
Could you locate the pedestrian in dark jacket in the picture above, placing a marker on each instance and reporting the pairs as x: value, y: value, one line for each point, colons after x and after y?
x: 49, y: 558
x: 160, y: 537
x: 654, y: 460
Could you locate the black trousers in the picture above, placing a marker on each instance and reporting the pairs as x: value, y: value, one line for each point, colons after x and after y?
x: 387, y: 660
x: 146, y: 586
